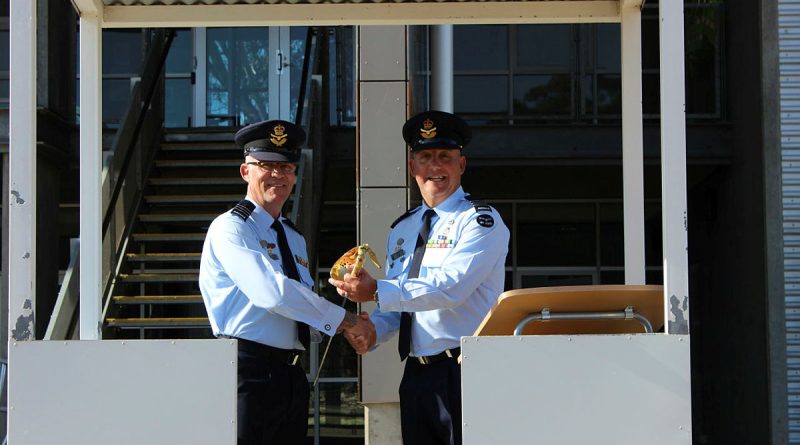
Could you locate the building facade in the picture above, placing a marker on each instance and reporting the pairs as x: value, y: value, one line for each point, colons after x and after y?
x: 545, y: 105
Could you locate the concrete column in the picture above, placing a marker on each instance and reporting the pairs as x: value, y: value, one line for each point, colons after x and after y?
x: 442, y: 68
x: 383, y: 195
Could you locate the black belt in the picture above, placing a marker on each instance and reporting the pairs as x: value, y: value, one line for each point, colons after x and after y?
x: 266, y: 352
x: 444, y: 355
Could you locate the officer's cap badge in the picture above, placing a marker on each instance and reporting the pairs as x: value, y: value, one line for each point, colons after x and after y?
x: 278, y: 135
x: 427, y: 131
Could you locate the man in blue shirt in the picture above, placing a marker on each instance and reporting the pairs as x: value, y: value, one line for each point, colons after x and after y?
x: 445, y: 268
x: 257, y: 288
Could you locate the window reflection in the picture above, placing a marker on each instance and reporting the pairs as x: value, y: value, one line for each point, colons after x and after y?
x: 546, y: 95
x: 574, y: 71
x: 237, y: 70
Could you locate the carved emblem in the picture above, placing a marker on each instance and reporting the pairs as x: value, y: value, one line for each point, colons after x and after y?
x: 278, y: 137
x: 427, y: 131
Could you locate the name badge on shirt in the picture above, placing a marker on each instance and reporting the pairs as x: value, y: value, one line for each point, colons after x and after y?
x: 301, y: 261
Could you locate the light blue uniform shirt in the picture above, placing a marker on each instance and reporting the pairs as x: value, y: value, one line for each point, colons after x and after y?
x: 461, y: 276
x: 245, y: 291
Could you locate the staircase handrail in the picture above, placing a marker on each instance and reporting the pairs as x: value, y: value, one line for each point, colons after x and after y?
x: 138, y: 137
x: 308, y: 116
x: 142, y: 121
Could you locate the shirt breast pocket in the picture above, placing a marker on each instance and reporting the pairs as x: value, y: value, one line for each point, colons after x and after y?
x: 435, y: 257
x: 397, y: 266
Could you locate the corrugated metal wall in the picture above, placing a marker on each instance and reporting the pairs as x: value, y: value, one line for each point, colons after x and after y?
x: 789, y: 41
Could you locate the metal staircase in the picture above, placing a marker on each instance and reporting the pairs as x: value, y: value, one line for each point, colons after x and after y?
x: 194, y: 178
x: 161, y: 190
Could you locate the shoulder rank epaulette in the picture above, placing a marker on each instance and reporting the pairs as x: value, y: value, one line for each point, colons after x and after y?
x: 243, y: 209
x: 403, y: 216
x: 480, y: 206
x: 289, y: 223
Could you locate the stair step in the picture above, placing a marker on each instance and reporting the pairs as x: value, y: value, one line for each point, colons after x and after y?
x: 157, y: 277
x: 162, y: 257
x: 147, y: 237
x: 186, y: 199
x: 159, y: 299
x: 236, y: 180
x: 158, y: 323
x: 178, y: 217
x: 175, y: 163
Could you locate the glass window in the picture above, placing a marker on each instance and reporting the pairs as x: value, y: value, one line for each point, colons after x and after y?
x: 4, y: 50
x: 702, y: 67
x: 419, y: 68
x: 178, y: 103
x: 612, y: 236
x: 542, y: 95
x: 652, y: 235
x: 345, y: 100
x: 609, y: 94
x: 506, y: 212
x: 297, y: 48
x: 609, y: 56
x: 122, y: 51
x: 116, y: 97
x: 545, y: 47
x: 551, y: 235
x: 237, y: 63
x: 180, y: 58
x: 481, y: 94
x: 480, y: 47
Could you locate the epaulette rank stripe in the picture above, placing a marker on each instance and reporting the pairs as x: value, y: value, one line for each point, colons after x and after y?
x: 479, y: 205
x: 243, y: 209
x: 289, y: 223
x: 403, y: 216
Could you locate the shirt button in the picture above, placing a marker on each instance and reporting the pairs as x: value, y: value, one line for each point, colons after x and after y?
x: 327, y: 327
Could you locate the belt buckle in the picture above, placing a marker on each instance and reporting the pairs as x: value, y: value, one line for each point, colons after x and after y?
x: 423, y: 360
x: 294, y: 359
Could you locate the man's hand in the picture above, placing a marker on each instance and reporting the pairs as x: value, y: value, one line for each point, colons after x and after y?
x: 358, y: 288
x: 359, y: 331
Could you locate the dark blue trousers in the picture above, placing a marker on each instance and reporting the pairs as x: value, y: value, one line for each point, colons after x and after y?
x: 272, y: 402
x: 430, y: 403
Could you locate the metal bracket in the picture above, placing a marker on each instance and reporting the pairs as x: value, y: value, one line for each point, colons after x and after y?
x: 627, y: 314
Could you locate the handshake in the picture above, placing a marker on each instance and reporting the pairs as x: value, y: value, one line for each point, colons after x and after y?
x: 358, y: 329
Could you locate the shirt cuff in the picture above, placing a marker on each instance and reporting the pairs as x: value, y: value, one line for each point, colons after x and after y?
x: 390, y: 296
x: 331, y: 320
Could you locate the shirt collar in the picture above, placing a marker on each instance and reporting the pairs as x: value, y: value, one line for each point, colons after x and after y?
x: 449, y: 205
x: 261, y: 216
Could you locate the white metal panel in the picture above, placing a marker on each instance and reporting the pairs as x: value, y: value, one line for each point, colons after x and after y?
x: 22, y: 171
x: 123, y: 392
x: 382, y: 154
x: 381, y: 369
x: 582, y: 389
x: 789, y: 45
x: 673, y: 169
x: 91, y: 149
x: 382, y: 53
